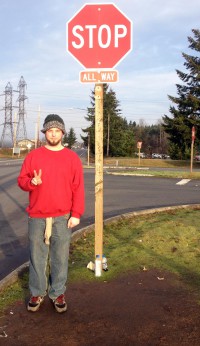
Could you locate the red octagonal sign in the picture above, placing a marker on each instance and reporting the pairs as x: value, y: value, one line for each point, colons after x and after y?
x: 99, y: 36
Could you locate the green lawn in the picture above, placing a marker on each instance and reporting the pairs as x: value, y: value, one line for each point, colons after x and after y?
x: 168, y: 240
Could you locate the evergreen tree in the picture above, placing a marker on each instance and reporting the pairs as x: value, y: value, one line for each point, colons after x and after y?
x: 69, y: 138
x: 117, y: 136
x: 186, y: 111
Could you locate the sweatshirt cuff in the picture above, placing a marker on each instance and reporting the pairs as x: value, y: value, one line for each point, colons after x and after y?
x: 31, y: 186
x: 75, y: 214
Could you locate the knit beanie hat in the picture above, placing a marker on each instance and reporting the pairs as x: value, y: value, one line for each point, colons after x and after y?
x: 53, y: 120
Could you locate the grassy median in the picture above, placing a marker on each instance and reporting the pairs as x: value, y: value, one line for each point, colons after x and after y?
x: 168, y: 240
x: 158, y: 174
x: 135, y: 162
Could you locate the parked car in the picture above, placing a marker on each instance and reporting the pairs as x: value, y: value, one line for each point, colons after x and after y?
x: 156, y: 156
x: 160, y: 156
x: 164, y: 156
x: 142, y: 155
x: 197, y: 157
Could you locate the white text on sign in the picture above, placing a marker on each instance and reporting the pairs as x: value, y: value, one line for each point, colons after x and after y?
x: 99, y: 77
x: 120, y: 31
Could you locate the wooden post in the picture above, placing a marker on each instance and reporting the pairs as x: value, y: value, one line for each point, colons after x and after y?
x: 192, y: 148
x: 99, y: 170
x: 15, y: 130
x: 139, y: 146
x: 38, y: 128
x: 139, y: 156
x: 192, y: 154
x: 88, y: 151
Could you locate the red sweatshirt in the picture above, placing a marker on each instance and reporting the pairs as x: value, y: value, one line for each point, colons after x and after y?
x: 62, y: 188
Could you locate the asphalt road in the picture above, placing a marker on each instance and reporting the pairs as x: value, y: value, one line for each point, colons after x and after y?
x: 122, y: 194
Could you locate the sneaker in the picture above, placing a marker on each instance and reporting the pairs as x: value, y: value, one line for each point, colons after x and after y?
x: 60, y: 303
x: 34, y: 303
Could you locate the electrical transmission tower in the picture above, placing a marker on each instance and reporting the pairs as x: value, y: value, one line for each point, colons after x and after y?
x: 21, y: 127
x: 8, y: 124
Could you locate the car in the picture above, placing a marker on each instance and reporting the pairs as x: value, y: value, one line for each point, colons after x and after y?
x: 142, y: 155
x: 164, y: 156
x: 156, y: 156
x: 197, y: 157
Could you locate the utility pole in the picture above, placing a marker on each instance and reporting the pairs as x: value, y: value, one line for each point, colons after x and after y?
x: 88, y: 151
x: 14, y: 129
x: 192, y: 148
x: 36, y: 135
x: 38, y: 128
x: 108, y: 135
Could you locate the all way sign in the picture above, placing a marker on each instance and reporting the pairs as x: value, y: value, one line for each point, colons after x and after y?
x: 98, y: 76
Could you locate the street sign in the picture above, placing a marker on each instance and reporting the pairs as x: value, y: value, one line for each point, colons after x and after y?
x: 139, y: 145
x: 99, y: 36
x: 91, y: 76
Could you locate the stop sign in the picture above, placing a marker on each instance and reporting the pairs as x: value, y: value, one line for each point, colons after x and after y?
x: 99, y: 36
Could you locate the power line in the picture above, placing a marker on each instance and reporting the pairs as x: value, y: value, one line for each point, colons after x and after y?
x: 79, y: 97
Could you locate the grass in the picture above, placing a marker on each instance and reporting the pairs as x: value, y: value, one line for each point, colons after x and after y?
x: 134, y: 162
x: 168, y: 241
x: 17, y: 291
x: 132, y: 167
x: 162, y: 174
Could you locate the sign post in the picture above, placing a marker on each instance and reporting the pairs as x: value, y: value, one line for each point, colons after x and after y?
x: 139, y: 146
x: 99, y: 36
x: 99, y: 170
x: 192, y: 148
x: 88, y: 150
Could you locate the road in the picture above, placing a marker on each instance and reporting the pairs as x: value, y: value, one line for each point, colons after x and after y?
x: 122, y: 194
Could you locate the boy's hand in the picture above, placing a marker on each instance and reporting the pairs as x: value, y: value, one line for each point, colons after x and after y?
x: 72, y: 222
x: 37, y: 178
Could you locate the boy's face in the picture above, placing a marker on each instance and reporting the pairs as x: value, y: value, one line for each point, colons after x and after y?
x: 54, y: 136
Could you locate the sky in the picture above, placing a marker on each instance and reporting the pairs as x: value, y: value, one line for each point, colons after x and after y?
x: 33, y: 45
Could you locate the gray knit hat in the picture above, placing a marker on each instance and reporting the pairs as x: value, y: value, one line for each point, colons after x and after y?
x: 53, y: 120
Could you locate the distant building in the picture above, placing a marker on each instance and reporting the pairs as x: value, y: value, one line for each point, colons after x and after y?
x: 25, y: 144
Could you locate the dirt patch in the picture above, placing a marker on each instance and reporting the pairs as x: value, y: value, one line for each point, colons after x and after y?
x: 148, y: 308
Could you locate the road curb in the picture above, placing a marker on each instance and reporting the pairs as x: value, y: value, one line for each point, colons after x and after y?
x: 15, y: 274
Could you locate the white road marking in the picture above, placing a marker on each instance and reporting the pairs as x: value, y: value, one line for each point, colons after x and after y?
x: 183, y: 182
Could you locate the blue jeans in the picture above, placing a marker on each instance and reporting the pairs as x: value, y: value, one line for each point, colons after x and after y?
x: 48, y: 268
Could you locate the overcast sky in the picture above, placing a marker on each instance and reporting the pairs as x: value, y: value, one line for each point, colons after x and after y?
x: 33, y: 45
